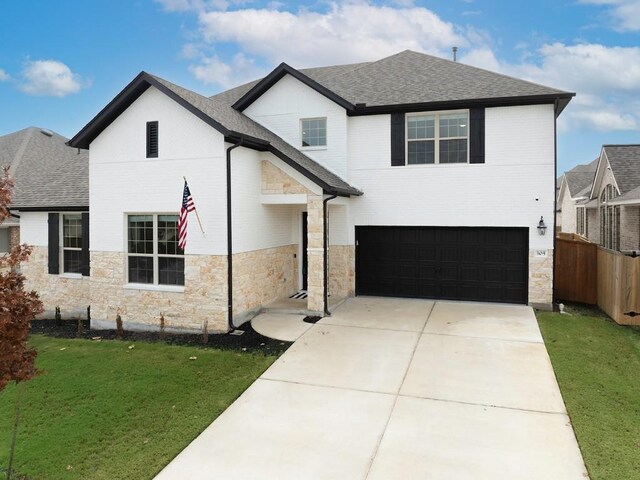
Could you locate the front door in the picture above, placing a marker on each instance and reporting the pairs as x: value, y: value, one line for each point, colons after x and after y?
x: 305, y: 263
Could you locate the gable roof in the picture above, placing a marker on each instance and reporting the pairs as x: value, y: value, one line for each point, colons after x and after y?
x: 408, y: 80
x: 47, y: 173
x: 234, y: 125
x: 625, y: 164
x: 580, y: 178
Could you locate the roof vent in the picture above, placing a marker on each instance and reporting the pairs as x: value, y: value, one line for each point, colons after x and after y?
x: 46, y: 132
x: 454, y: 50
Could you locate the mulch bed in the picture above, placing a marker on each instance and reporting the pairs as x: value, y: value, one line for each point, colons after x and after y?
x: 249, y: 341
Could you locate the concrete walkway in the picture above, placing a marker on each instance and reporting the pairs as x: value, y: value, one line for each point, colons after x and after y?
x: 393, y: 388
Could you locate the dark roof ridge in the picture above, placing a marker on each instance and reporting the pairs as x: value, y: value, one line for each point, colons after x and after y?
x: 621, y: 145
x: 485, y: 70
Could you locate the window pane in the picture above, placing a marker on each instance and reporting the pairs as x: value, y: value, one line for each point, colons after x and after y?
x: 72, y: 231
x: 140, y: 234
x: 453, y: 151
x: 421, y: 152
x: 419, y: 127
x: 453, y: 125
x: 168, y: 235
x: 171, y: 271
x: 314, y: 132
x: 140, y: 269
x: 71, y: 261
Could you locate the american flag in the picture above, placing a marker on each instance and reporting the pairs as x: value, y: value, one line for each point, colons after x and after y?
x: 187, y: 206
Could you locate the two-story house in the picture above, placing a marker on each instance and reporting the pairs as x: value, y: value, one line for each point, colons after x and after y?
x: 409, y: 176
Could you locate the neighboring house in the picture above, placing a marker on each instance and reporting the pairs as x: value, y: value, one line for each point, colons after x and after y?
x: 611, y: 211
x: 427, y: 177
x: 575, y: 187
x: 46, y: 172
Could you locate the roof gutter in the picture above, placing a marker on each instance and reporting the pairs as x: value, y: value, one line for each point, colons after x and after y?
x: 230, y: 239
x: 325, y: 231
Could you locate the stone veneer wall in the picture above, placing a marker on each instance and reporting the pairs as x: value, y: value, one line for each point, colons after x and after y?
x: 541, y: 279
x: 342, y: 271
x: 275, y: 181
x: 14, y: 236
x: 261, y: 276
x: 315, y: 253
x: 71, y: 294
x: 204, y: 297
x: 629, y: 228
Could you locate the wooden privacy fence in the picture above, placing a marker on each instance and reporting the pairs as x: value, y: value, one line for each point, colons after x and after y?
x: 576, y: 271
x: 619, y: 286
x: 587, y: 273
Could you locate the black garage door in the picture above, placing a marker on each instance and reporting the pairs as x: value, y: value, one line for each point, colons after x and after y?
x: 450, y: 263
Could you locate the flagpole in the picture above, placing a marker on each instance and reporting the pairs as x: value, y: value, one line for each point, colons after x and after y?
x: 195, y: 209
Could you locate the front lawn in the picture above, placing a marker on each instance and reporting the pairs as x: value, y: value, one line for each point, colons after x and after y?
x: 103, y: 410
x: 597, y: 364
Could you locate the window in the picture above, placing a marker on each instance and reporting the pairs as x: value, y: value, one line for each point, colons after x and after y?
x: 71, y: 243
x: 152, y: 139
x: 437, y: 138
x: 581, y: 221
x: 4, y: 240
x: 153, y: 254
x: 314, y: 132
x: 609, y: 219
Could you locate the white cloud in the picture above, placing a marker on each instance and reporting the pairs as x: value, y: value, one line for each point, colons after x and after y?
x: 625, y: 14
x: 213, y: 71
x: 4, y: 76
x: 307, y: 38
x: 198, y: 5
x: 50, y: 78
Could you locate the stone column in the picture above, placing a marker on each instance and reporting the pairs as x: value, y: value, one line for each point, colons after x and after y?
x: 315, y: 253
x: 14, y: 236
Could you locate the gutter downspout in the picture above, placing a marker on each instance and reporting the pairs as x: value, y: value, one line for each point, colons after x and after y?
x: 230, y: 240
x: 326, y: 250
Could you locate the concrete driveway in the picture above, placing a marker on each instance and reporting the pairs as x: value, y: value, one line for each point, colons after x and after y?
x: 397, y: 388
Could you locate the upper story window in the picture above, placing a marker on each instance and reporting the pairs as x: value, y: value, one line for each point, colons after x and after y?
x: 154, y: 256
x: 314, y: 132
x: 71, y: 242
x: 152, y: 139
x: 437, y: 138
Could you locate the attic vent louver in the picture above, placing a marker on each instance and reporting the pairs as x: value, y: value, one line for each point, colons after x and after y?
x: 46, y: 132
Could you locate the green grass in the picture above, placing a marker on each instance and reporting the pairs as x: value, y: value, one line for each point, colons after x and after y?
x: 104, y: 411
x: 597, y: 364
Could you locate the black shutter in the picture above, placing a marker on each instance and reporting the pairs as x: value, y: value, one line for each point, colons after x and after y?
x: 152, y: 139
x: 476, y: 135
x: 84, y: 254
x: 397, y: 139
x: 54, y: 243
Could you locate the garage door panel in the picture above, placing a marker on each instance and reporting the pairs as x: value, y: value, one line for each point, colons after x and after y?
x: 458, y: 263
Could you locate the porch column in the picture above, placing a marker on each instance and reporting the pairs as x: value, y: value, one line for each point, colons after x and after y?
x: 315, y: 252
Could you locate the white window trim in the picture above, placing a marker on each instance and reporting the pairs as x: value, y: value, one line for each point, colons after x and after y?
x: 436, y: 138
x: 315, y: 147
x: 62, y: 248
x: 155, y: 255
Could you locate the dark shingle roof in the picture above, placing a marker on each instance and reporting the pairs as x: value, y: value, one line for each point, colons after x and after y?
x: 625, y: 164
x: 408, y: 78
x: 237, y: 122
x: 581, y: 177
x: 46, y: 171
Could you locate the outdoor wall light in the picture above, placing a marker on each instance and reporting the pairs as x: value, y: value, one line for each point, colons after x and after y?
x: 542, y: 228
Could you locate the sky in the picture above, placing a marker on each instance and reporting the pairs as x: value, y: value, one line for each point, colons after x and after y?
x: 62, y: 61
